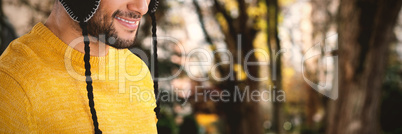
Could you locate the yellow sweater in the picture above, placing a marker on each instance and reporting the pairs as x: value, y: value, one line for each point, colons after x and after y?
x: 42, y: 89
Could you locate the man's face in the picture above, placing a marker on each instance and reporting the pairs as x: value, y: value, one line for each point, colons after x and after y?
x: 118, y: 20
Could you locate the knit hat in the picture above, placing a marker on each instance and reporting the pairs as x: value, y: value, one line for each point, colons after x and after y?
x: 81, y: 11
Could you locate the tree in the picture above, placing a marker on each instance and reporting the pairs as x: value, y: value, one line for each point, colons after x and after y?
x: 365, y: 32
x: 239, y: 31
x: 241, y: 117
x: 275, y: 67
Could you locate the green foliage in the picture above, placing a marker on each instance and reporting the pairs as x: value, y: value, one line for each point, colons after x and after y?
x: 166, y: 124
x: 189, y: 126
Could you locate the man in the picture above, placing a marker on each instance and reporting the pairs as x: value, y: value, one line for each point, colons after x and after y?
x: 44, y: 77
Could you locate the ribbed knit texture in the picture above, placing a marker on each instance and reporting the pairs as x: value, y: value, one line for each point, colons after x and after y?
x: 42, y: 89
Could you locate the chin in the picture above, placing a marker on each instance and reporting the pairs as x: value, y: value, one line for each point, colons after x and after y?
x: 126, y: 35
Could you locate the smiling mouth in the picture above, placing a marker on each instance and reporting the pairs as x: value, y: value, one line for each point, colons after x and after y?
x: 131, y: 24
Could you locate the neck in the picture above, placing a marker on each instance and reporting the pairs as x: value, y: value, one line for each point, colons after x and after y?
x: 69, y: 31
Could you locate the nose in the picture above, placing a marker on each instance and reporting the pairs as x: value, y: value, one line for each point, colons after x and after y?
x: 140, y: 6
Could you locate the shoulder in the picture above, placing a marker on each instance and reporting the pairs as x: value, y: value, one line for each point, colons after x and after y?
x: 131, y: 60
x: 20, y: 58
x: 135, y: 69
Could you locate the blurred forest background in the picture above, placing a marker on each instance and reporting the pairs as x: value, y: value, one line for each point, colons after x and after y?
x: 352, y: 49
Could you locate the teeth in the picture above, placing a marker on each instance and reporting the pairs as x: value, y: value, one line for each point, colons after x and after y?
x: 131, y: 22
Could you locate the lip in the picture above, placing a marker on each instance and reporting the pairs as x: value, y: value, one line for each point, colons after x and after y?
x: 130, y: 24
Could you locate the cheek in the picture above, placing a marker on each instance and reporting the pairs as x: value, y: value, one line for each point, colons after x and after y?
x: 105, y: 18
x: 106, y: 9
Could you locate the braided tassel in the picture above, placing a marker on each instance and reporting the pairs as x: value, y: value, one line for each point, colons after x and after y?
x: 88, y: 78
x: 155, y: 59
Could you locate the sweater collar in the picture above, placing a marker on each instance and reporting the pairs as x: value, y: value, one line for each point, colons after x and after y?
x: 62, y: 48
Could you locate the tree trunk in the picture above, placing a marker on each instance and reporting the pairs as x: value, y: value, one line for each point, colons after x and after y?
x: 241, y: 117
x: 365, y: 31
x: 274, y: 49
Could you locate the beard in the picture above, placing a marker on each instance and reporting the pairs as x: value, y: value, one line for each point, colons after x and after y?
x: 101, y: 25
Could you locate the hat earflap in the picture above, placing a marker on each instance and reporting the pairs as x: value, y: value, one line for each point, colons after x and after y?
x: 80, y: 10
